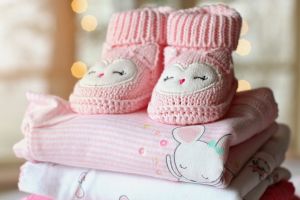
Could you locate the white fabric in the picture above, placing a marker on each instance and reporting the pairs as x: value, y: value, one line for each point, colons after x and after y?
x: 63, y: 183
x: 109, y: 74
x: 178, y: 80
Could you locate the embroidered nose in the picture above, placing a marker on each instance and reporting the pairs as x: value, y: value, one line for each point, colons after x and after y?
x: 181, y: 81
x: 100, y: 75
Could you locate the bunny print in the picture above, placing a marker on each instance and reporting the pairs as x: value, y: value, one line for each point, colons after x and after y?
x: 190, y: 162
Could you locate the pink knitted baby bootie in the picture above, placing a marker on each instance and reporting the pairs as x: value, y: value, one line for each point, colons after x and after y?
x: 198, y: 83
x: 131, y: 64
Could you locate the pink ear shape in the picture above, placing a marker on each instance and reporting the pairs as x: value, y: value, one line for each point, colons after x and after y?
x: 222, y: 57
x: 223, y: 140
x: 169, y: 54
x: 148, y: 53
x: 188, y: 134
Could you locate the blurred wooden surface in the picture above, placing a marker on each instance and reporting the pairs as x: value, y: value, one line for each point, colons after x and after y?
x: 296, y: 142
x: 59, y: 76
x: 9, y: 174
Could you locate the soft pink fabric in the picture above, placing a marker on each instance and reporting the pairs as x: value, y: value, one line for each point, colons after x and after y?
x: 133, y: 143
x: 283, y: 190
x: 63, y: 182
x: 205, y: 35
x: 138, y: 36
x: 36, y: 197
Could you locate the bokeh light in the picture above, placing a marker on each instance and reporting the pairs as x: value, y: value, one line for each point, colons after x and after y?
x: 79, y: 6
x: 244, y: 47
x: 89, y: 23
x: 78, y: 69
x: 243, y: 85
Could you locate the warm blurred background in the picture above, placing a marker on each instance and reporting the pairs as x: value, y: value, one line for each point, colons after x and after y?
x: 45, y: 45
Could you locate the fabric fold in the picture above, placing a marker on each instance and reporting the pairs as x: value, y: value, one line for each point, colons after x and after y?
x: 62, y: 182
x: 78, y: 183
x: 133, y: 143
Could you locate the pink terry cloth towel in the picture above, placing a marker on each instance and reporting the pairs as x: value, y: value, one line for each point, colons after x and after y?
x: 133, y: 143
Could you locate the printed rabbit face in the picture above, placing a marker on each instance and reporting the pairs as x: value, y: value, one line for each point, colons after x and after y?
x: 191, y: 164
x: 118, y: 72
x: 196, y: 77
x: 191, y: 161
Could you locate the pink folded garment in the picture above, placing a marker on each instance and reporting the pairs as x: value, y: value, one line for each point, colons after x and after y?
x: 62, y: 182
x: 36, y: 197
x: 133, y: 143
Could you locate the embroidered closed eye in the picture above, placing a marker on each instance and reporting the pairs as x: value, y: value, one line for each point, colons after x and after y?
x: 121, y: 73
x: 168, y: 77
x: 203, y: 78
x: 91, y: 72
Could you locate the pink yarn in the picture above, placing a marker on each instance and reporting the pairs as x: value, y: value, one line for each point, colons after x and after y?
x: 211, y: 26
x: 138, y: 26
x: 139, y: 36
x: 205, y: 35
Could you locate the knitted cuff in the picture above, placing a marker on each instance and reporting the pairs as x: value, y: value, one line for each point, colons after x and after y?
x: 212, y: 26
x: 138, y: 26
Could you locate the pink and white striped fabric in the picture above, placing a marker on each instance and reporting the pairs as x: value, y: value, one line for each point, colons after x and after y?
x: 133, y: 143
x: 62, y: 182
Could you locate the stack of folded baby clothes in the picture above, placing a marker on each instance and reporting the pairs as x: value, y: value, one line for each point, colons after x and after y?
x: 198, y: 138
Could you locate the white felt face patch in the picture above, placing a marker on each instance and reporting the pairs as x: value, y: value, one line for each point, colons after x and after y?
x: 196, y: 77
x: 118, y: 72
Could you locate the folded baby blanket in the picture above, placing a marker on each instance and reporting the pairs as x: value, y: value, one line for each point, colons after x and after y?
x: 133, y: 143
x: 61, y: 183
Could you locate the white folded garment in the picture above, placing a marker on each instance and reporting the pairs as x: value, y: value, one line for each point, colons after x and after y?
x: 63, y: 183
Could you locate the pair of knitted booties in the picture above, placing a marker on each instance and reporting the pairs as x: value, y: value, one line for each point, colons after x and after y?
x: 179, y: 63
